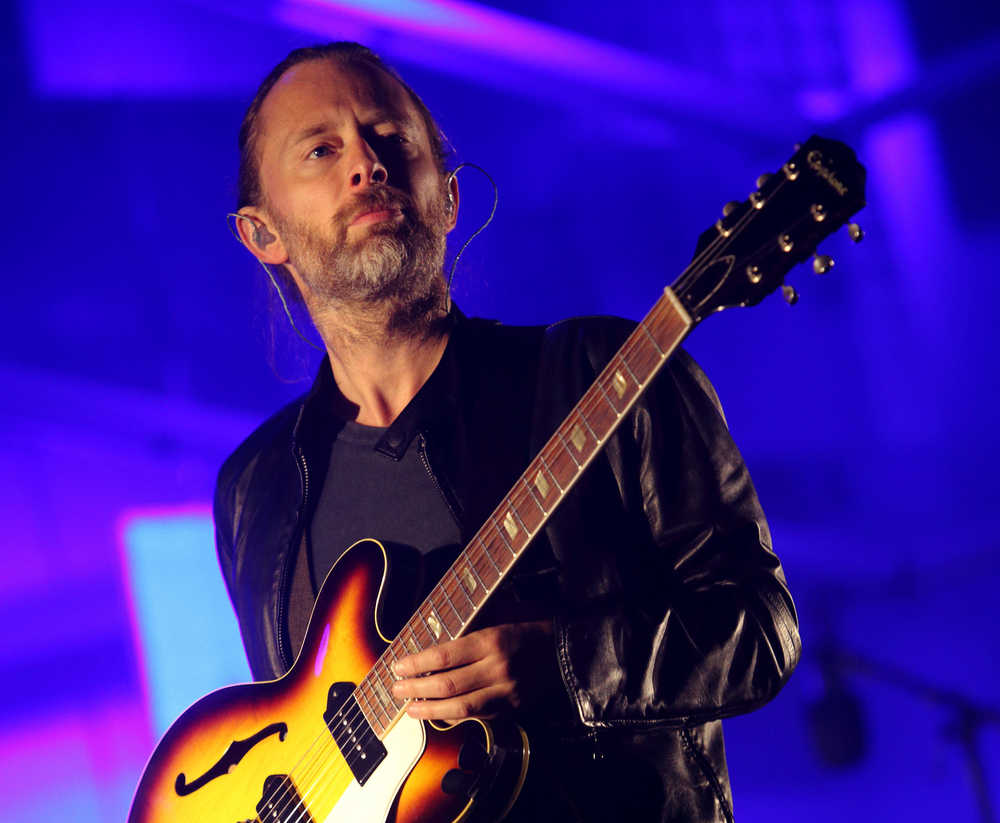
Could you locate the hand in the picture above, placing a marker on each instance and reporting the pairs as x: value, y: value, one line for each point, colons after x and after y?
x: 511, y: 666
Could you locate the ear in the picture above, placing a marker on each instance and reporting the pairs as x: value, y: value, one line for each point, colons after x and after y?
x: 452, y: 184
x: 258, y: 236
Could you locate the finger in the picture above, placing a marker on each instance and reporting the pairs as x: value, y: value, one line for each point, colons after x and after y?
x: 447, y: 655
x: 451, y: 683
x: 480, y: 703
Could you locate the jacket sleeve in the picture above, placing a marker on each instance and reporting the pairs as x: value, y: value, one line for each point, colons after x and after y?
x: 688, y: 617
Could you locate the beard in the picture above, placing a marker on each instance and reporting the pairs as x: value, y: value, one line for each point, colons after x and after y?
x: 395, y: 262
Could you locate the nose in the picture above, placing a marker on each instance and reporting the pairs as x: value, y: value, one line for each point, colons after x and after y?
x: 367, y: 169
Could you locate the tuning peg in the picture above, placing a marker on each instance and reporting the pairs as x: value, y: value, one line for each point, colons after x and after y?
x: 730, y: 207
x: 822, y: 263
x: 855, y: 232
x: 762, y: 180
x: 791, y: 296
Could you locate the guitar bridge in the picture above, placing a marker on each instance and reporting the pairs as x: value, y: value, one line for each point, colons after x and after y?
x: 280, y: 801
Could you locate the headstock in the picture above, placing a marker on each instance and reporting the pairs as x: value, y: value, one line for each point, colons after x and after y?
x: 746, y: 254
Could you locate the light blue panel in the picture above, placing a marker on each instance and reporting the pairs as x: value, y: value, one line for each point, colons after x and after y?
x: 186, y: 626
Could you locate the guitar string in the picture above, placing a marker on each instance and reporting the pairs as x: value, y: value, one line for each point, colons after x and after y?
x: 318, y: 761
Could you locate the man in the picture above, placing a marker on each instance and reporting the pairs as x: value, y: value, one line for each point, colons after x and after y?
x: 651, y: 607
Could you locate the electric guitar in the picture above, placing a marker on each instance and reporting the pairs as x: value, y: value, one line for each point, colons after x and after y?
x: 328, y: 743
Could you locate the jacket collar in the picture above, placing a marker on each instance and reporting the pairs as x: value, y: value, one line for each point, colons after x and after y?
x: 434, y: 406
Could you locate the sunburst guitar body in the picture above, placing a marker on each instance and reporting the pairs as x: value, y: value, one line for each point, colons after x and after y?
x: 312, y: 747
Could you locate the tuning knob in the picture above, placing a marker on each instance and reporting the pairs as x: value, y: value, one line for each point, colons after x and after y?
x: 763, y: 179
x: 855, y: 232
x: 791, y: 296
x: 730, y: 207
x: 822, y: 263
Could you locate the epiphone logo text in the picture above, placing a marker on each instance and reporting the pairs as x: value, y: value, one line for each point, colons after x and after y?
x: 815, y: 161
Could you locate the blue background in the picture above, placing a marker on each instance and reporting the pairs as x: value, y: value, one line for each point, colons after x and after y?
x: 137, y: 346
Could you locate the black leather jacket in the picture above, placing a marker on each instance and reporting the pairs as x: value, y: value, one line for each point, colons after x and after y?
x: 671, y: 610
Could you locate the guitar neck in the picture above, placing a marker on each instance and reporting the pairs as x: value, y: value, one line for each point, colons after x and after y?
x: 463, y: 590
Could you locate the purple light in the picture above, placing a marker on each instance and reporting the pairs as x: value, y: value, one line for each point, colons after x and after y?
x: 522, y: 46
x: 321, y: 654
x: 879, y: 54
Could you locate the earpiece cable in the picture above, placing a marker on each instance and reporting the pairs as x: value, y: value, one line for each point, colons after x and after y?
x: 451, y: 274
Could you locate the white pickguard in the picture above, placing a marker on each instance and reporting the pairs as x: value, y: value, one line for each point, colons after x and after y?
x: 370, y: 803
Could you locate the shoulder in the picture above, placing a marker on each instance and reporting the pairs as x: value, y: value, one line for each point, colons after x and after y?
x: 601, y: 336
x: 595, y: 339
x: 269, y: 442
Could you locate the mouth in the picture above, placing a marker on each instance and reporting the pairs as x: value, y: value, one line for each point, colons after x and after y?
x: 377, y: 215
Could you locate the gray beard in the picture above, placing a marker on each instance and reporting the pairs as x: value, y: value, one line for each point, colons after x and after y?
x: 399, y: 265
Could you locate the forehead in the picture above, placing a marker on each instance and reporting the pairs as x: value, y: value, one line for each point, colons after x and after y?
x: 323, y: 91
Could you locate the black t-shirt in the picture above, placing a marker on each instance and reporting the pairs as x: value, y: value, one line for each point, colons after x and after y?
x: 369, y: 494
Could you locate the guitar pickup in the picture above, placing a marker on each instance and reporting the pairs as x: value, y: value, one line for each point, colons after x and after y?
x: 351, y: 731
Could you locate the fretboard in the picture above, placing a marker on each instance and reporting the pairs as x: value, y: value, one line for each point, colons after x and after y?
x: 465, y: 587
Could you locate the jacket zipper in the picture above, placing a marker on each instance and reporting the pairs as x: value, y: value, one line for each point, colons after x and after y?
x: 422, y: 451
x: 280, y: 632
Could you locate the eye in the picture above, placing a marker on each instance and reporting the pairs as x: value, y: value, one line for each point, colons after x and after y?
x: 322, y: 150
x: 394, y: 138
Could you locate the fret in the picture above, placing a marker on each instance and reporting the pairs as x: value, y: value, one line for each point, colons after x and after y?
x: 562, y: 465
x: 668, y: 322
x: 500, y: 530
x: 437, y: 624
x: 431, y: 623
x: 484, y: 549
x: 529, y: 530
x: 500, y: 553
x: 491, y: 568
x: 462, y: 589
x: 624, y: 362
x: 583, y: 417
x: 457, y: 630
x: 462, y: 619
x: 566, y: 448
x: 392, y: 652
x: 608, y: 400
x: 383, y: 696
x: 545, y: 466
x: 413, y: 645
x: 470, y: 574
x: 642, y: 325
x: 640, y: 359
x: 369, y: 713
x: 531, y: 491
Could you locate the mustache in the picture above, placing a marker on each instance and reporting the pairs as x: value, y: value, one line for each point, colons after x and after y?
x: 376, y: 199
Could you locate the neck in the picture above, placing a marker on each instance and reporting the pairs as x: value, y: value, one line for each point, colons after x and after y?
x: 381, y: 354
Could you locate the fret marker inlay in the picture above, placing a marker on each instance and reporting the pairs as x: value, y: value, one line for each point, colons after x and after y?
x: 510, y: 525
x: 620, y: 384
x: 435, y: 626
x: 542, y: 485
x: 578, y: 437
x: 468, y: 579
x: 411, y: 646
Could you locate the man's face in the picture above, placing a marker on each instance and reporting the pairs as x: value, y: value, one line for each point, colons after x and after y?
x: 352, y: 185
